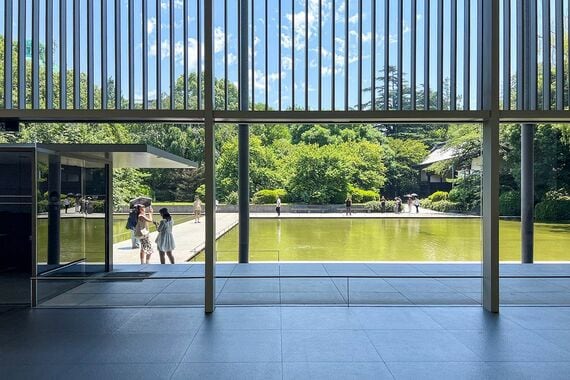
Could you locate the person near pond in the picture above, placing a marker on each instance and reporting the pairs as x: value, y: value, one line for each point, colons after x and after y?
x: 410, y: 204
x: 66, y: 204
x: 197, y: 209
x: 77, y: 202
x: 131, y: 225
x: 398, y: 205
x: 417, y: 204
x: 278, y: 206
x: 165, y: 239
x: 348, y: 204
x: 142, y: 232
x: 383, y: 204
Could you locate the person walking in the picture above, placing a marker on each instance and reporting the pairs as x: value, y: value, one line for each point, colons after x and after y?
x: 66, y: 204
x: 410, y: 204
x: 398, y: 205
x: 278, y: 206
x: 165, y: 239
x: 417, y: 204
x: 348, y: 204
x: 142, y: 232
x: 383, y: 204
x: 197, y: 209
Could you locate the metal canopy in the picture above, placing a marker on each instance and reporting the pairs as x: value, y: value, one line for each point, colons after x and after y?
x: 141, y: 156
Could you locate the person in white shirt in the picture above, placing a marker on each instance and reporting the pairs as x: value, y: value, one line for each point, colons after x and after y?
x: 278, y: 206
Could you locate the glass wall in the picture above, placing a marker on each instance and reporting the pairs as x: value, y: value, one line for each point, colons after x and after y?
x: 15, y: 226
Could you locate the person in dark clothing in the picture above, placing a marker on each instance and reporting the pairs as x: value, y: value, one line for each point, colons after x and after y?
x: 131, y: 225
x: 348, y: 204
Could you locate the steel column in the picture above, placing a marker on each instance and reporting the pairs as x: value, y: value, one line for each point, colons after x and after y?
x: 453, y: 58
x: 131, y: 26
x: 400, y: 53
x: 158, y: 55
x: 63, y: 54
x: 559, y: 26
x: 387, y: 53
x: 90, y: 45
x: 104, y: 79
x: 35, y: 54
x: 145, y: 54
x: 306, y: 86
x: 491, y: 159
x: 373, y: 58
x: 243, y: 136
x: 118, y: 53
x: 109, y: 215
x: 527, y: 193
x: 209, y: 151
x: 506, y: 54
x: 76, y: 55
x: 413, y: 36
x: 439, y: 79
x: 49, y: 54
x: 172, y: 57
x: 546, y: 64
x: 466, y: 54
x: 426, y: 55
x: 346, y: 46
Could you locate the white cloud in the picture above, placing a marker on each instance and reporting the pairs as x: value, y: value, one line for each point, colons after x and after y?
x: 353, y: 19
x: 286, y: 63
x: 151, y: 25
x: 218, y: 40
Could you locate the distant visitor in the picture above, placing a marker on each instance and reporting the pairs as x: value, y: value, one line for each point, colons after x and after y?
x: 165, y: 239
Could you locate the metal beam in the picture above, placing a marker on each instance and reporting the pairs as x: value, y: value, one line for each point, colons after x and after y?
x: 118, y: 53
x: 63, y: 54
x: 346, y: 47
x: 439, y: 79
x: 466, y: 55
x: 527, y: 193
x: 104, y: 42
x: 8, y: 24
x: 172, y: 57
x: 90, y: 55
x: 130, y: 21
x: 145, y: 54
x: 243, y: 136
x: 76, y: 55
x: 387, y: 53
x: 158, y: 55
x: 453, y: 57
x: 320, y: 60
x: 359, y: 105
x: 210, y: 168
x: 185, y: 51
x: 546, y: 64
x: 49, y: 54
x: 35, y: 54
x: 400, y: 74
x: 413, y: 36
x: 426, y: 55
x: 373, y: 58
x: 506, y: 54
x: 491, y: 159
x: 333, y: 47
x: 559, y: 27
x: 306, y: 86
x: 199, y: 58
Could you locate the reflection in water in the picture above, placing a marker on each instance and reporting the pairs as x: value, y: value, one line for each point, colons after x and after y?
x: 390, y: 240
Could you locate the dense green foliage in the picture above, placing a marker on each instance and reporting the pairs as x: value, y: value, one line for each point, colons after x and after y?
x: 442, y: 205
x: 269, y: 196
x: 553, y: 211
x: 438, y: 196
x: 510, y: 203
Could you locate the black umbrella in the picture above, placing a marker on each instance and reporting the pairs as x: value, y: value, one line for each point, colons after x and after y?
x: 140, y: 201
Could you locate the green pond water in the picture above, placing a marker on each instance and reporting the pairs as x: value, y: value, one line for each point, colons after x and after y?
x: 85, y: 237
x: 388, y: 240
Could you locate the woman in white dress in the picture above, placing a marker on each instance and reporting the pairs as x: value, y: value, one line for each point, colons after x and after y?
x: 165, y: 239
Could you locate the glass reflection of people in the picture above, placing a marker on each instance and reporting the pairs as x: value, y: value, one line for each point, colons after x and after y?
x: 165, y: 239
x: 142, y: 233
x: 197, y: 209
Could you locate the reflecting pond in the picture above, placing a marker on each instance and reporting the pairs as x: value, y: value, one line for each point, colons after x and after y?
x: 388, y: 240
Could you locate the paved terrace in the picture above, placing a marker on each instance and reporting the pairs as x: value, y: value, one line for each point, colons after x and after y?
x: 286, y: 343
x: 313, y: 284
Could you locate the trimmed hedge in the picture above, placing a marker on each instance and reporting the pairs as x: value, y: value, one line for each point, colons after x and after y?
x: 552, y: 211
x: 268, y: 196
x: 232, y: 198
x: 438, y: 196
x: 376, y: 206
x: 510, y: 203
x: 441, y: 206
x: 363, y: 196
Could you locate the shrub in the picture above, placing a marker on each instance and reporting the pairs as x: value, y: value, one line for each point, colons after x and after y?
x: 510, y: 203
x: 97, y: 206
x: 362, y: 196
x: 441, y: 206
x: 201, y: 191
x: 438, y: 196
x: 232, y: 198
x: 268, y: 196
x: 466, y: 192
x: 552, y: 211
x: 376, y: 206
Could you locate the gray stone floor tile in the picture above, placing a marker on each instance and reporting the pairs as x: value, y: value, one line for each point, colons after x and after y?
x: 420, y: 346
x: 307, y: 285
x: 255, y: 269
x: 313, y: 298
x: 125, y: 299
x: 35, y: 371
x: 244, y: 298
x: 376, y: 285
x: 469, y: 318
x: 327, y: 345
x: 177, y: 299
x: 394, y: 318
x: 120, y: 371
x: 528, y: 371
x: 229, y: 371
x: 542, y: 318
x: 314, y: 318
x: 438, y: 370
x: 463, y: 285
x: 251, y: 285
x: 414, y: 285
x: 191, y: 285
x: 235, y: 346
x: 167, y: 320
x: 382, y: 298
x: 530, y: 285
x: 68, y: 299
x: 328, y: 370
x: 304, y: 269
x: 240, y: 318
x: 143, y: 347
x: 394, y: 269
x: 348, y: 269
x: 438, y: 298
x: 561, y: 338
x: 46, y: 348
x: 511, y: 345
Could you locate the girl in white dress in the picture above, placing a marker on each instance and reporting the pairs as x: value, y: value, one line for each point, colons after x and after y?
x: 165, y: 239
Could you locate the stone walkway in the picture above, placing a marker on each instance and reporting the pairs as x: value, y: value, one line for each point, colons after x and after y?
x: 189, y: 238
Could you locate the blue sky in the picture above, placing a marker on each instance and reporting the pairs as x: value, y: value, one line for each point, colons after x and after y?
x: 273, y: 39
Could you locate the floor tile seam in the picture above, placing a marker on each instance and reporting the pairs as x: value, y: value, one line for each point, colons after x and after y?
x: 186, y: 351
x: 375, y: 348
